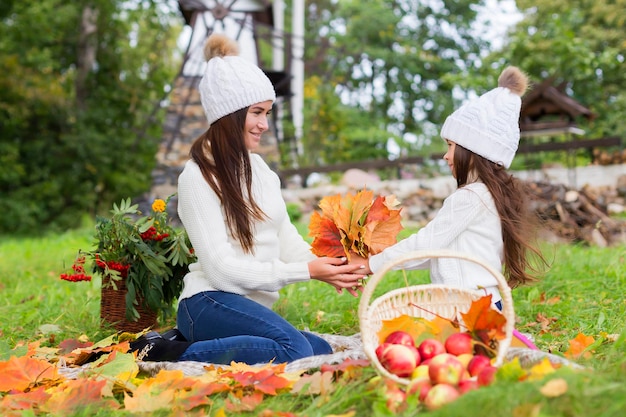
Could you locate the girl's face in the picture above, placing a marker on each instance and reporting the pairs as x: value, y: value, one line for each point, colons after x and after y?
x: 256, y: 123
x: 449, y: 156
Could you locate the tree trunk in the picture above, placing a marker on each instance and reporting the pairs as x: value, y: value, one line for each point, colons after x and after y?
x: 87, y: 45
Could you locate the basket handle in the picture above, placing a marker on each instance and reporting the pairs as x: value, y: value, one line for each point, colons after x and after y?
x: 503, y: 286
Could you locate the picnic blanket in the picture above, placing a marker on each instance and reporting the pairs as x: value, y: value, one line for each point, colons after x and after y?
x: 344, y: 347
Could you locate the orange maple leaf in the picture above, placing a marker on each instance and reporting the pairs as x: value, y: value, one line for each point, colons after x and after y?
x: 382, y: 233
x: 484, y: 322
x: 346, y: 365
x: 74, y: 394
x: 358, y: 207
x: 158, y: 392
x: 199, y: 395
x: 579, y: 346
x: 266, y: 380
x: 246, y: 402
x: 482, y: 316
x: 354, y: 223
x: 320, y: 382
x: 25, y: 372
x: 327, y: 240
x: 24, y: 400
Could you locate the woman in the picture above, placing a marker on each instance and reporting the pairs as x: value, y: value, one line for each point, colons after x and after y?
x: 231, y: 206
x: 487, y: 216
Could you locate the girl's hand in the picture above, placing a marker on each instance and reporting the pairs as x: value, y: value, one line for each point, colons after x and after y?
x: 363, y: 262
x: 336, y: 272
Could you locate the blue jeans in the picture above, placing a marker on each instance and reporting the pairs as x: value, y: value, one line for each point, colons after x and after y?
x: 228, y: 327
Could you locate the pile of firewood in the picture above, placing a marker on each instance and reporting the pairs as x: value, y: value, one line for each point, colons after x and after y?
x: 604, y: 157
x: 576, y: 215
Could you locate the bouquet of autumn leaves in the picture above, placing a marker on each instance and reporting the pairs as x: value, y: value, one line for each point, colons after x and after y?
x: 354, y: 224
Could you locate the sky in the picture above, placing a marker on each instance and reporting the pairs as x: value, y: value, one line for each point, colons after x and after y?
x: 502, y: 16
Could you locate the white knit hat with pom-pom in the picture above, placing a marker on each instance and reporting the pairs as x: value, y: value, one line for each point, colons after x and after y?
x: 489, y: 125
x: 230, y: 82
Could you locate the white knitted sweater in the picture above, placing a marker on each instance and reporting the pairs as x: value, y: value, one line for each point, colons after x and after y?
x: 280, y: 253
x: 468, y: 222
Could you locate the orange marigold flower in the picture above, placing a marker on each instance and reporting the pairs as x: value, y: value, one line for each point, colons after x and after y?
x: 158, y: 205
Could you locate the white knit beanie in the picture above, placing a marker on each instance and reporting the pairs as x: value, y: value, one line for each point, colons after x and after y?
x: 230, y: 83
x: 489, y: 126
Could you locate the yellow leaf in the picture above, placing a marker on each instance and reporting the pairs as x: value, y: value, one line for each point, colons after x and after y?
x: 158, y: 392
x: 122, y: 367
x: 554, y: 388
x: 412, y: 325
x: 513, y: 370
x: 540, y: 370
x: 527, y: 410
x: 317, y: 383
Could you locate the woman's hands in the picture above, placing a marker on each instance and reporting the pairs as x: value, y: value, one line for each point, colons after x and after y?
x: 362, y: 262
x: 339, y: 274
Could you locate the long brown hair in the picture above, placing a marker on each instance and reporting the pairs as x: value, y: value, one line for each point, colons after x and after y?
x: 510, y: 196
x: 224, y: 161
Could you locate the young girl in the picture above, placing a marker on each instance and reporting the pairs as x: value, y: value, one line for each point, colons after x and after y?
x: 487, y: 216
x: 231, y: 205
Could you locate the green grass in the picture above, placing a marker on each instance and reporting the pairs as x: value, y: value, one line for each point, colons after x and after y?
x: 583, y: 292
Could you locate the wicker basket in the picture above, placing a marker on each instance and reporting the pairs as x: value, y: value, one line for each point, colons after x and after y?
x: 445, y: 301
x: 113, y: 309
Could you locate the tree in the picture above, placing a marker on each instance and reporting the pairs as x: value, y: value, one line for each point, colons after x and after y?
x: 79, y: 108
x: 382, y: 71
x: 580, y: 44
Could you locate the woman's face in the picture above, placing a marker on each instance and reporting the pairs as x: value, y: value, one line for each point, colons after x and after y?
x: 449, y: 156
x: 256, y: 123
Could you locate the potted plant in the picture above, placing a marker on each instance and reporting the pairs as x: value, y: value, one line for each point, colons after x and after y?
x: 142, y: 260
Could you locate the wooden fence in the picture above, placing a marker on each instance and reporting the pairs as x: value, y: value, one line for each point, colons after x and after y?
x: 524, y: 148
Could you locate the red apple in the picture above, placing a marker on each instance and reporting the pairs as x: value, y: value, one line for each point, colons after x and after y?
x: 420, y: 387
x: 400, y: 337
x: 487, y: 375
x: 396, y: 399
x: 445, y: 369
x: 459, y: 343
x: 477, y: 363
x: 380, y: 349
x: 440, y: 395
x: 400, y: 360
x: 430, y: 348
x: 468, y: 384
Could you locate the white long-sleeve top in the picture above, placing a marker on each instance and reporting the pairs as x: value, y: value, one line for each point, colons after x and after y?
x: 468, y: 222
x: 280, y: 256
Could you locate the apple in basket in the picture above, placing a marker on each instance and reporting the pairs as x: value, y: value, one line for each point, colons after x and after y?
x: 477, y: 364
x: 420, y: 387
x: 400, y: 360
x: 445, y: 369
x: 459, y: 343
x: 487, y: 375
x: 400, y: 337
x: 429, y: 348
x: 469, y: 384
x: 440, y: 395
